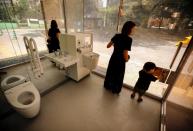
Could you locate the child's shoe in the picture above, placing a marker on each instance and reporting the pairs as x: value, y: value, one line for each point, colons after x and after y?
x: 139, y: 100
x: 132, y: 96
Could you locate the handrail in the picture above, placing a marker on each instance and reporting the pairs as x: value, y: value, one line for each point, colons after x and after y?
x: 32, y: 51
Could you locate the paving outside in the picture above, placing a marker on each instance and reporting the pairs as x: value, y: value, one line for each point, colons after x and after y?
x: 148, y: 45
x: 11, y: 44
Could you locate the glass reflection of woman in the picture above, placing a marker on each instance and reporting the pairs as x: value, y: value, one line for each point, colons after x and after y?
x: 53, y: 37
x: 116, y: 69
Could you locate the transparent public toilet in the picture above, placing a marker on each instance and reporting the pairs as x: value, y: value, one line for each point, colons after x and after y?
x: 163, y: 36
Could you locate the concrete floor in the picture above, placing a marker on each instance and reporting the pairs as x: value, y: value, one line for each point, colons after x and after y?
x: 86, y: 106
x: 178, y: 118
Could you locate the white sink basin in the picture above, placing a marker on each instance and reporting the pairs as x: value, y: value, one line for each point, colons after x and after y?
x: 90, y: 60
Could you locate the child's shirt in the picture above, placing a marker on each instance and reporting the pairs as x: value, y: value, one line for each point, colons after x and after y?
x: 144, y: 80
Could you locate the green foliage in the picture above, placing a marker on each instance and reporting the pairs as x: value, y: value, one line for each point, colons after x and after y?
x: 3, y: 14
x: 22, y: 9
x: 109, y: 9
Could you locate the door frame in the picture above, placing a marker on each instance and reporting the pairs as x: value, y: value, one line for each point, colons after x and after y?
x: 181, y: 64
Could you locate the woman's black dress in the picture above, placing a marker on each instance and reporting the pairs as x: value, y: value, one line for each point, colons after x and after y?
x: 116, y: 68
x: 53, y: 42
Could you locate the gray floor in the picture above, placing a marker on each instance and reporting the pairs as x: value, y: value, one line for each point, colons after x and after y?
x: 86, y: 106
x: 178, y: 118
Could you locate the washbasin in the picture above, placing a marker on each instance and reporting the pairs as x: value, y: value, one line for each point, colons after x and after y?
x: 90, y: 60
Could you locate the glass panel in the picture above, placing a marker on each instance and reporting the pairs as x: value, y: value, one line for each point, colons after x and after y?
x: 54, y: 11
x: 7, y: 48
x: 160, y: 26
x: 182, y: 91
x: 100, y: 18
x: 154, y: 39
x: 72, y: 10
x: 21, y: 18
x: 74, y: 15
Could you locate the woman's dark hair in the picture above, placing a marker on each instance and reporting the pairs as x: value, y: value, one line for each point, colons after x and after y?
x: 54, y: 24
x: 127, y: 27
x: 148, y: 66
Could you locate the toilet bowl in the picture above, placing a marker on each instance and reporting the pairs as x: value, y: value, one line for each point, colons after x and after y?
x: 24, y: 98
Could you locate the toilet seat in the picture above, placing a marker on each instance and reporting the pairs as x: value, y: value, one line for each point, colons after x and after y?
x: 13, y: 94
x: 12, y: 81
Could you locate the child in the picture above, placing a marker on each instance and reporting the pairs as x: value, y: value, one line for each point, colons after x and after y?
x: 144, y: 80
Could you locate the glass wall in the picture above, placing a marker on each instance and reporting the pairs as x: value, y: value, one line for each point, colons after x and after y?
x: 67, y: 13
x: 182, y: 90
x: 74, y: 15
x: 53, y: 10
x: 30, y: 18
x: 18, y: 19
x: 177, y: 104
x: 100, y: 18
x: 160, y: 26
x: 153, y: 39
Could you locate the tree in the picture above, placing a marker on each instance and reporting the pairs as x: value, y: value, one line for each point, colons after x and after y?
x: 186, y: 16
x: 22, y: 9
x: 166, y: 9
x: 139, y: 10
x: 3, y: 14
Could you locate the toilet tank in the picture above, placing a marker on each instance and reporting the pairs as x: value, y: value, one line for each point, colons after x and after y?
x: 90, y: 60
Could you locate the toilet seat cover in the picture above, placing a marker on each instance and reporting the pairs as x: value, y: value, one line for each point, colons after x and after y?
x: 12, y: 81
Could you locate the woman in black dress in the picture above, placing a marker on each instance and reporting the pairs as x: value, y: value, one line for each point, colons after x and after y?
x: 53, y: 37
x: 116, y: 68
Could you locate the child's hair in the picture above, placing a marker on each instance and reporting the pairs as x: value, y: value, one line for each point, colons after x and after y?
x: 148, y: 66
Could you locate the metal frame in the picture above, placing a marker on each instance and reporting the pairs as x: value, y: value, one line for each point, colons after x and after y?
x: 182, y: 63
x: 179, y: 69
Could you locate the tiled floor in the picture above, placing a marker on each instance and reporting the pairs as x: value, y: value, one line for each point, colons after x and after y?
x: 86, y: 106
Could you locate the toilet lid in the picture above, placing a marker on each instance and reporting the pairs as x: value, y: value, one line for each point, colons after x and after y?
x: 12, y: 81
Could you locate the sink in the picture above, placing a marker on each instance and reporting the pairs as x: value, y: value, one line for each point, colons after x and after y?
x: 90, y: 60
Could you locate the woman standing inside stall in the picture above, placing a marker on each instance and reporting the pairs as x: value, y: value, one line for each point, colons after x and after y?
x: 116, y: 69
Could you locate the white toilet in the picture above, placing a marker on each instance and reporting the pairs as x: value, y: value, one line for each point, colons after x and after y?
x: 21, y: 95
